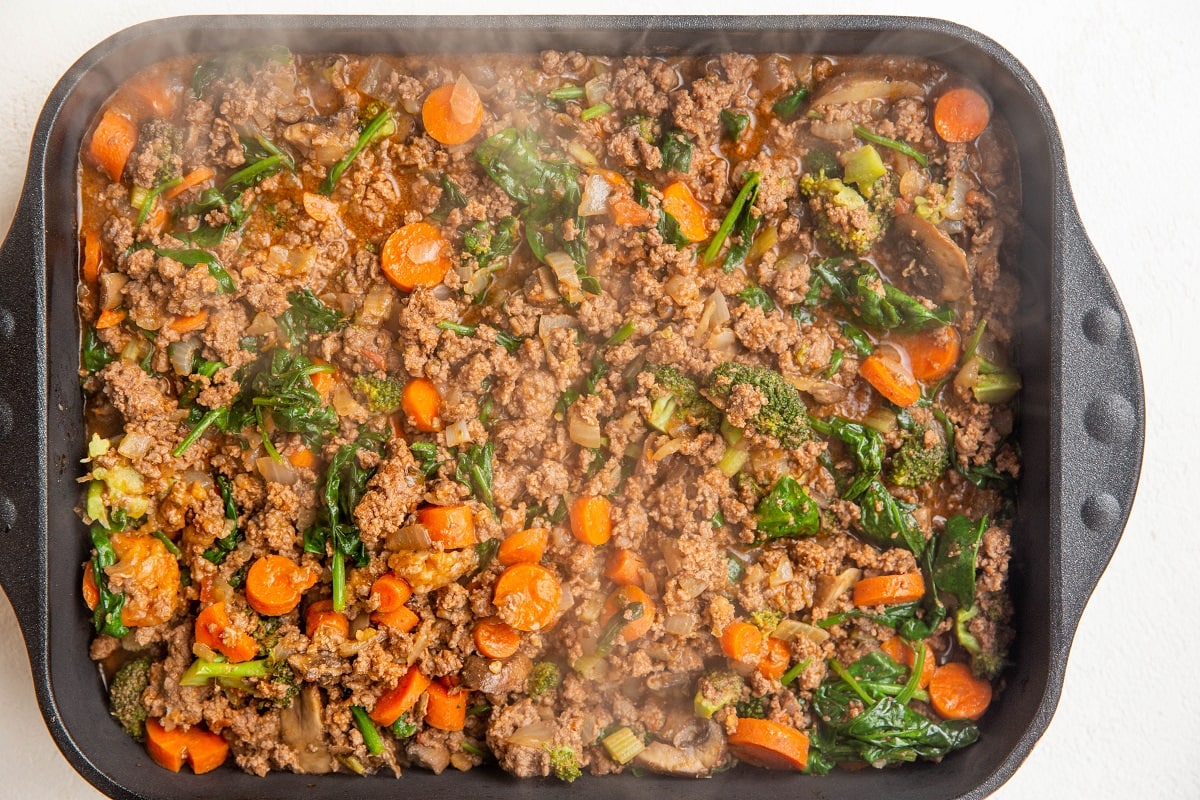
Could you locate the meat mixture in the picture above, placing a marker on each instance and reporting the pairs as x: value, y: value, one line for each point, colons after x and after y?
x: 566, y: 412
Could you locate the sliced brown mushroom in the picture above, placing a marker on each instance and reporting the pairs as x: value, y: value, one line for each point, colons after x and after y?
x: 301, y: 728
x: 696, y: 752
x: 853, y: 88
x: 933, y: 254
x: 507, y: 675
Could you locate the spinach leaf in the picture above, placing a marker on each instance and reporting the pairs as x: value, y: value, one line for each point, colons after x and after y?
x: 486, y: 245
x: 787, y: 512
x: 865, y: 445
x: 235, y: 65
x: 452, y: 198
x: 509, y: 341
x: 192, y: 257
x: 790, y: 103
x: 473, y: 469
x: 228, y: 543
x: 741, y: 222
x: 954, y: 562
x: 676, y: 151
x: 426, y: 454
x: 858, y: 286
x: 381, y: 127
x: 308, y: 315
x: 95, y: 355
x: 106, y: 616
x: 757, y: 297
x: 734, y: 123
x: 886, y: 521
x: 263, y: 159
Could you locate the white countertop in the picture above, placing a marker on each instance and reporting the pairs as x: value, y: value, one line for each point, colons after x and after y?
x: 1123, y: 80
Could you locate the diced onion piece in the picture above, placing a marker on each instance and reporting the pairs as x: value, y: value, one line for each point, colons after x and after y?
x: 568, y: 279
x: 823, y: 391
x: 833, y: 131
x: 713, y: 316
x: 377, y: 305
x: 548, y: 323
x: 672, y: 556
x: 594, y: 200
x: 182, y: 354
x: 682, y: 289
x: 672, y: 446
x: 956, y: 197
x: 722, y: 342
x: 680, y: 624
x: 319, y: 207
x: 763, y: 242
x: 464, y: 101
x: 881, y: 419
x: 196, y: 477
x: 581, y: 154
x: 344, y: 404
x: 377, y: 81
x: 781, y: 574
x: 111, y: 284
x: 583, y: 433
x: 854, y: 89
x: 134, y: 445
x: 535, y: 734
x: 262, y: 325
x: 458, y: 433
x: 275, y: 471
x: 691, y: 587
x: 566, y: 600
x: 790, y: 629
x: 596, y: 90
x: 912, y: 183
x: 410, y: 537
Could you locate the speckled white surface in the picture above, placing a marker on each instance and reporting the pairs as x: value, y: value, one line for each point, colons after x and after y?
x: 1122, y: 79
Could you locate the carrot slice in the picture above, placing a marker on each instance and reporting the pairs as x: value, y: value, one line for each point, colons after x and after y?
x: 91, y: 592
x: 192, y: 322
x: 884, y: 590
x: 193, y: 178
x: 777, y: 656
x: 453, y: 113
x: 680, y: 203
x: 527, y: 546
x: 400, y: 698
x: 415, y: 255
x: 769, y: 744
x: 957, y: 694
x: 321, y: 615
x: 390, y: 592
x: 92, y: 253
x: 112, y: 142
x: 402, y: 620
x: 625, y: 567
x: 445, y: 708
x: 495, y: 638
x: 931, y: 354
x: 422, y: 404
x: 302, y: 458
x: 621, y: 598
x: 214, y: 630
x: 453, y: 527
x: 901, y: 653
x: 205, y: 751
x: 890, y: 378
x: 527, y: 596
x: 743, y: 642
x: 323, y: 382
x: 624, y: 209
x: 591, y: 519
x: 961, y: 114
x: 275, y: 584
x: 109, y: 317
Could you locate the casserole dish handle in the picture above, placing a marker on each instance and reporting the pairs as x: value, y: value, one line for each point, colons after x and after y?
x: 22, y: 406
x: 1103, y: 422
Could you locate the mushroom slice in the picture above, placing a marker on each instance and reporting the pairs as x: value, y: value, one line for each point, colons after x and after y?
x: 854, y: 88
x: 697, y: 752
x: 301, y: 728
x: 935, y: 255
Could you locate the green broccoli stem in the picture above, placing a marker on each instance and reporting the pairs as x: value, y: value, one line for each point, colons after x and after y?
x: 202, y: 671
x: 366, y: 727
x: 996, y: 387
x: 661, y: 412
x: 732, y: 462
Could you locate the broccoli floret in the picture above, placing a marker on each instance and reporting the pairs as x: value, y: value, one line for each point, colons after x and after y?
x: 755, y: 707
x: 766, y: 619
x: 677, y: 403
x: 922, y: 457
x: 125, y: 696
x: 851, y: 219
x: 564, y: 762
x: 783, y: 415
x: 272, y: 681
x: 382, y: 395
x: 716, y: 690
x: 543, y: 678
x: 984, y: 663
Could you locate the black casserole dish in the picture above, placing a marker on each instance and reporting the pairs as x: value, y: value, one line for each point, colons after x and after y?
x: 1069, y: 513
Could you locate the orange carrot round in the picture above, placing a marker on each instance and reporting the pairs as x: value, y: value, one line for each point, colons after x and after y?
x: 742, y: 642
x: 109, y: 318
x: 275, y: 584
x: 191, y: 322
x: 389, y: 592
x: 205, y: 751
x: 495, y: 638
x: 400, y: 698
x: 445, y: 708
x: 402, y: 620
x: 91, y: 592
x: 214, y: 630
x: 321, y: 615
x: 769, y: 744
x: 92, y: 253
x: 777, y: 656
x: 112, y: 142
x: 453, y: 113
x: 422, y: 405
x: 680, y: 203
x: 957, y: 694
x: 961, y: 114
x: 622, y: 597
x: 591, y: 519
x: 453, y: 527
x: 901, y: 653
x: 527, y: 596
x: 932, y: 354
x: 890, y: 378
x: 527, y: 546
x: 883, y: 590
x: 415, y: 255
x: 625, y: 567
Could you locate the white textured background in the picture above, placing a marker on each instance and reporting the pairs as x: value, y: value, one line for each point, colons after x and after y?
x: 1123, y: 80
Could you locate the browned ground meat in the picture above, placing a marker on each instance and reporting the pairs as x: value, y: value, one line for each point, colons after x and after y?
x: 529, y: 496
